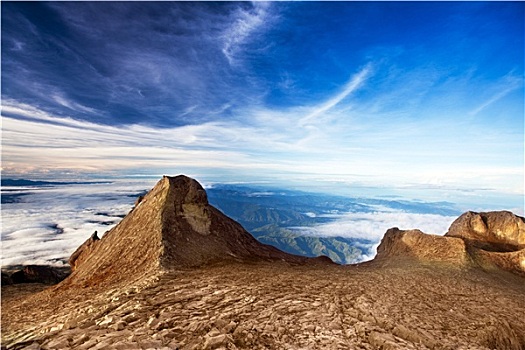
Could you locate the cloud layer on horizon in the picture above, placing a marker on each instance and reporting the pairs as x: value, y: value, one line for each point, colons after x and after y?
x: 369, y: 228
x: 49, y: 223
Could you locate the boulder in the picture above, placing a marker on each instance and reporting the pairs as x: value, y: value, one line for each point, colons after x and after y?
x: 415, y: 245
x: 494, y: 241
x: 498, y: 231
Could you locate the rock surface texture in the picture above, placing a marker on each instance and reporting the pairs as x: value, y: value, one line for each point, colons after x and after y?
x: 494, y: 231
x: 407, y: 245
x: 492, y: 241
x: 178, y: 274
x: 496, y: 240
x: 83, y: 251
x: 172, y: 226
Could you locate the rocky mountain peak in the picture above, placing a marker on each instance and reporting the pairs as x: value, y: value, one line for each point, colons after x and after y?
x: 172, y: 226
x: 186, y: 200
x: 185, y: 190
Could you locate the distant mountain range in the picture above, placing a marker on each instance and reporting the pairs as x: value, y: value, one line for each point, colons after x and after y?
x: 270, y: 214
x: 341, y: 250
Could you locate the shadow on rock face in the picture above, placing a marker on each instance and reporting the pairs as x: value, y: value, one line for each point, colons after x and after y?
x: 36, y: 274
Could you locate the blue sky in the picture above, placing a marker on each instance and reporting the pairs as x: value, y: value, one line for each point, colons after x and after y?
x: 390, y: 95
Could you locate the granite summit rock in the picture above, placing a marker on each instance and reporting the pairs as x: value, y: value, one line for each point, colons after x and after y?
x: 173, y: 226
x: 491, y: 240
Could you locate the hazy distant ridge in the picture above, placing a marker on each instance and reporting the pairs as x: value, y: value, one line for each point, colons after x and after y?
x: 24, y: 182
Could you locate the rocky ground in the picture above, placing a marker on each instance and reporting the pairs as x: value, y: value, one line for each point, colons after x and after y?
x: 276, y: 306
x: 176, y: 273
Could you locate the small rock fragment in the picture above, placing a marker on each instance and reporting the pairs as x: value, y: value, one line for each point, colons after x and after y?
x: 59, y: 343
x: 215, y: 341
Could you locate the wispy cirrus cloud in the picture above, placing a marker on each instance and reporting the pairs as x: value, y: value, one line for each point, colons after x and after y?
x: 353, y: 84
x: 508, y: 84
x: 61, y: 100
x: 152, y: 67
x: 246, y: 23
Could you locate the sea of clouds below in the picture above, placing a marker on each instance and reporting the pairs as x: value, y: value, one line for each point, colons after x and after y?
x: 49, y: 223
x: 368, y: 228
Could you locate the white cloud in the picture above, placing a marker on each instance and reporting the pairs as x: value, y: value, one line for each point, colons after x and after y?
x: 371, y: 227
x: 507, y: 85
x: 50, y: 223
x: 353, y: 84
x: 61, y: 100
x: 72, y: 144
x: 245, y: 24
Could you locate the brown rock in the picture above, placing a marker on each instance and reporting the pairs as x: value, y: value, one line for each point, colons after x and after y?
x: 38, y: 274
x: 80, y: 339
x: 403, y: 332
x: 400, y: 245
x: 213, y: 342
x: 492, y: 241
x: 34, y: 346
x: 120, y: 325
x: 126, y: 345
x: 83, y: 252
x: 230, y: 327
x: 150, y: 344
x: 383, y: 341
x: 499, y: 231
x: 174, y: 226
x: 509, y: 261
x: 59, y: 343
x: 495, y: 240
x: 153, y: 322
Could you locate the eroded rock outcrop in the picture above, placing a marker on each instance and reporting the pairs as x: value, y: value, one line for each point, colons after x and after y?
x: 172, y: 226
x: 276, y: 305
x: 495, y: 240
x: 492, y: 240
x: 498, y: 231
x: 399, y: 245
